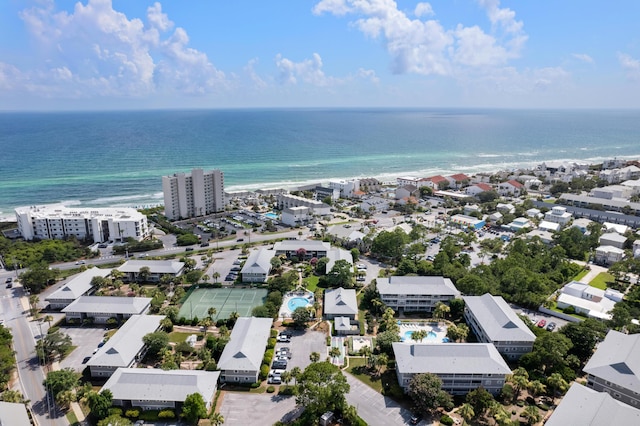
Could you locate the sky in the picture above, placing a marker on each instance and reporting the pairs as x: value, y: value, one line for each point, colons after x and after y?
x: 140, y: 54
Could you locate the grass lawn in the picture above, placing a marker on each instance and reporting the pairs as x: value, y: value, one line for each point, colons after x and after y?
x: 601, y: 280
x: 580, y: 275
x: 311, y: 282
x: 178, y: 336
x: 555, y: 308
x: 356, y: 367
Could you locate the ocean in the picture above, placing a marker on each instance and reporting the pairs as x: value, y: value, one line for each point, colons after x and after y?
x: 118, y: 158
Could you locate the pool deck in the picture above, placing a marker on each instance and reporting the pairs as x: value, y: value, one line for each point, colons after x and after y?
x: 285, y: 312
x: 438, y: 328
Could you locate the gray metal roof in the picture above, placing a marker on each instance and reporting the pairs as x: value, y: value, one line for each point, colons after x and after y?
x: 340, y: 301
x: 497, y: 319
x: 612, y: 236
x: 617, y: 360
x: 342, y: 323
x: 308, y: 245
x: 79, y: 285
x: 247, y: 344
x: 584, y: 406
x: 13, y: 414
x: 109, y: 304
x: 155, y: 266
x: 426, y: 286
x: 449, y: 358
x: 152, y: 384
x: 122, y: 347
x: 258, y: 262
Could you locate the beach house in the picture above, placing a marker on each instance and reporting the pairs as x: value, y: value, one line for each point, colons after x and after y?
x: 257, y: 266
x: 150, y: 270
x: 242, y: 356
x: 462, y: 367
x: 80, y: 285
x: 415, y: 294
x: 493, y: 321
x: 99, y: 309
x: 614, y: 368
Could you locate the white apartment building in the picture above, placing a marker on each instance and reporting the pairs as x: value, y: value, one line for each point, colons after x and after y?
x: 347, y: 187
x: 56, y: 222
x: 193, y: 194
x: 318, y: 208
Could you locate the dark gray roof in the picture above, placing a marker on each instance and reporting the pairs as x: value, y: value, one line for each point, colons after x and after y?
x: 152, y: 384
x: 617, y: 360
x: 426, y: 286
x: 340, y: 301
x: 79, y: 285
x: 247, y: 344
x: 122, y: 347
x: 497, y: 319
x: 13, y: 414
x: 449, y: 358
x: 109, y: 304
x: 584, y: 406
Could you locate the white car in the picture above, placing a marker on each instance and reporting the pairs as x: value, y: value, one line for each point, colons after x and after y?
x: 282, y: 338
x: 275, y: 380
x: 361, y: 266
x: 274, y: 373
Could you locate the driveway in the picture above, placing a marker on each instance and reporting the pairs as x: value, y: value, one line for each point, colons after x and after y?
x: 375, y: 408
x: 243, y: 408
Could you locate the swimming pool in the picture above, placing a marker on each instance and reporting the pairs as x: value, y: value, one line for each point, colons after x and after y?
x: 435, y: 332
x: 271, y: 215
x: 431, y: 336
x: 297, y: 302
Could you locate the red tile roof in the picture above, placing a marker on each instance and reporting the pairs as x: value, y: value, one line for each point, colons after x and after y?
x: 436, y: 179
x: 484, y: 186
x: 515, y: 183
x: 459, y: 177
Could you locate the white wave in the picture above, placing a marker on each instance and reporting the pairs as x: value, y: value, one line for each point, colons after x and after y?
x: 122, y: 198
x: 488, y: 155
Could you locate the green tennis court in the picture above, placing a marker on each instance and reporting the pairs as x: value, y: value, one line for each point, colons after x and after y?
x: 225, y: 300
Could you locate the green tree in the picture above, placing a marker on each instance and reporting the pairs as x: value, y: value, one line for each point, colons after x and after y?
x: 385, y: 341
x: 12, y: 396
x: 557, y: 383
x: 61, y: 380
x: 115, y: 420
x: 425, y: 390
x: 441, y: 310
x: 211, y: 312
x: 520, y: 380
x: 334, y: 352
x: 536, y: 387
x: 341, y: 275
x: 322, y: 387
x: 156, y: 341
x: 144, y: 274
x: 53, y: 345
x: 296, y: 372
x: 314, y: 357
x: 99, y: 403
x: 584, y: 335
x: 532, y: 414
x: 480, y: 399
x: 300, y: 317
x: 216, y: 419
x: 466, y: 411
x: 38, y: 276
x: 418, y: 335
x: 194, y: 408
x: 390, y: 244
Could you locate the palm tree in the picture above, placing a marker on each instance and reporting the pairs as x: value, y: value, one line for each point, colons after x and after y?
x: 206, y: 322
x: 418, y: 335
x: 33, y: 302
x: 335, y: 352
x: 520, y: 380
x: 296, y: 372
x: 365, y: 352
x: 557, y: 383
x: 216, y: 419
x: 441, y: 310
x: 211, y: 312
x: 466, y: 411
x: 381, y: 361
x: 215, y: 276
x: 286, y: 377
x: 536, y: 387
x: 48, y: 319
x: 532, y: 414
x: 205, y: 278
x: 499, y: 414
x: 314, y: 357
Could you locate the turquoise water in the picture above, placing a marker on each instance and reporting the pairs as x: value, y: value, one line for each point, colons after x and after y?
x: 297, y: 302
x: 118, y: 158
x: 431, y: 336
x: 271, y: 215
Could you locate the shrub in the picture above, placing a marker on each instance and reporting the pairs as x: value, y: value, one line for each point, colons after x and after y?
x: 288, y: 390
x: 271, y: 389
x: 115, y: 411
x: 132, y: 414
x: 446, y: 420
x: 264, y: 371
x: 569, y: 310
x: 166, y: 414
x: 255, y: 385
x: 544, y: 407
x: 271, y: 343
x: 520, y: 403
x: 513, y: 412
x: 53, y: 329
x: 274, y: 333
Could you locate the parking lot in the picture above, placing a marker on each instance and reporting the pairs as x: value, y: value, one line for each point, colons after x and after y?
x: 86, y: 340
x: 243, y: 408
x: 301, y: 345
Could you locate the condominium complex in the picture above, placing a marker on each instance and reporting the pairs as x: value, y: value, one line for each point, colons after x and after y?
x: 85, y: 223
x: 193, y: 194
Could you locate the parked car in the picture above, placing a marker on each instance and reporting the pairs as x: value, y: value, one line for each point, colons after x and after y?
x: 204, y: 245
x: 279, y: 365
x: 551, y: 326
x: 189, y: 249
x: 275, y: 380
x: 542, y: 323
x: 276, y: 372
x: 361, y: 266
x: 86, y: 359
x: 283, y: 338
x: 415, y: 420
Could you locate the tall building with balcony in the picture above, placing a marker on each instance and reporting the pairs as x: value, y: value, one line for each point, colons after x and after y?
x: 55, y: 221
x: 194, y: 194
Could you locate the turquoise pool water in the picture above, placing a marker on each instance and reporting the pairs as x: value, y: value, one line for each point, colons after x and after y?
x: 297, y: 302
x: 431, y: 336
x: 271, y: 215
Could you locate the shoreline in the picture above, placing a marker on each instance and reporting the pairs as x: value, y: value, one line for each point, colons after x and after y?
x: 156, y: 199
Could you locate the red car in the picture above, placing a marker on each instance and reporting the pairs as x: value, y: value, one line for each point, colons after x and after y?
x: 542, y: 323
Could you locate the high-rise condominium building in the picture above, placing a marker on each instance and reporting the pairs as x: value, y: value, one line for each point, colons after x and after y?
x: 193, y: 194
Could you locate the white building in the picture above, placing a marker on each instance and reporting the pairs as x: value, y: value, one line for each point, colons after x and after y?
x: 558, y: 214
x: 80, y: 285
x: 413, y: 294
x: 590, y: 301
x: 607, y: 255
x: 296, y: 216
x: 257, y: 267
x: 316, y: 207
x: 347, y: 187
x: 193, y: 194
x: 242, y: 357
x: 56, y: 222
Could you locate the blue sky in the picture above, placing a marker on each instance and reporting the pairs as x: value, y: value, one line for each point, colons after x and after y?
x: 123, y: 54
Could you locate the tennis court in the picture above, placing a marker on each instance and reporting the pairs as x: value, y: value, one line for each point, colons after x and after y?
x: 225, y: 300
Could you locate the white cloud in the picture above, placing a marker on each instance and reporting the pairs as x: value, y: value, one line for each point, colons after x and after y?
x: 423, y: 9
x: 425, y: 46
x: 258, y: 82
x: 96, y: 50
x: 308, y: 71
x: 630, y: 65
x: 583, y: 57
